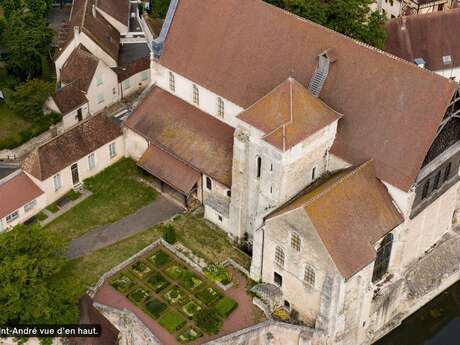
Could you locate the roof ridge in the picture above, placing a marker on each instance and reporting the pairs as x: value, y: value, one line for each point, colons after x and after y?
x: 336, y: 183
x: 371, y: 48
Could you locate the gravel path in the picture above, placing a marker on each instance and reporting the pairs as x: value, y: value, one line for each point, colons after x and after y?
x: 158, y: 211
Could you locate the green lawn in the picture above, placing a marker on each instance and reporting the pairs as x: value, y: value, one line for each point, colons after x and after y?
x: 117, y: 193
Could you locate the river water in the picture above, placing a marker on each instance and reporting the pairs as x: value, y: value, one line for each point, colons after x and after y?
x: 438, y: 323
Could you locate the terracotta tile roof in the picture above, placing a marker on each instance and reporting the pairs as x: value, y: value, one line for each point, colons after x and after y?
x: 169, y: 169
x: 132, y: 68
x: 186, y: 132
x: 351, y: 211
x: 15, y: 192
x: 289, y: 114
x: 243, y: 49
x: 69, y: 98
x: 89, y: 315
x: 118, y: 9
x: 79, y: 68
x: 69, y: 147
x: 96, y: 27
x: 428, y: 36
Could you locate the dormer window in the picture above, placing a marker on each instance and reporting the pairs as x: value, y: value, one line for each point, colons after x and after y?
x: 196, y: 95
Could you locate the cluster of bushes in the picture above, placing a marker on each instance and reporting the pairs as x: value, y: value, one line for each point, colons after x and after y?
x: 169, y: 234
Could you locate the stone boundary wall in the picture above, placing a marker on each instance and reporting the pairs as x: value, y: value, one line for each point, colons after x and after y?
x: 230, y: 261
x: 124, y: 317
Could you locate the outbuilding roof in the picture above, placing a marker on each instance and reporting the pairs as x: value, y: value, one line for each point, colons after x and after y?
x: 69, y: 98
x: 69, y: 147
x: 79, y: 68
x: 351, y: 211
x: 428, y: 36
x: 243, y: 49
x: 185, y: 132
x: 289, y: 114
x: 118, y: 9
x: 15, y: 192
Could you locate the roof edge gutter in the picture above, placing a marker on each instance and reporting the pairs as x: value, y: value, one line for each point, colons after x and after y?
x: 158, y: 43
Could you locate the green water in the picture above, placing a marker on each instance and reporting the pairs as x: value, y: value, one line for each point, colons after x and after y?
x: 438, y: 323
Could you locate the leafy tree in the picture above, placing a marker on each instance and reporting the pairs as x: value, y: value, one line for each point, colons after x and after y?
x: 160, y: 8
x: 29, y: 98
x: 169, y: 234
x: 38, y: 8
x: 29, y: 257
x: 11, y: 6
x: 349, y: 17
x: 27, y: 38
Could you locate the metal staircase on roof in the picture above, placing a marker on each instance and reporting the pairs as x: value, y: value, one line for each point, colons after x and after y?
x: 319, y: 76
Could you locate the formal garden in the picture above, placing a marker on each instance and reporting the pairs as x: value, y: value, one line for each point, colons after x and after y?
x: 188, y: 305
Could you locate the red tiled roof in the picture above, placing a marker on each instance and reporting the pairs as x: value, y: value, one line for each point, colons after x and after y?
x: 79, y: 68
x: 243, y: 49
x: 289, y: 114
x: 16, y: 192
x: 351, y: 211
x: 69, y: 147
x: 429, y: 36
x: 118, y: 9
x: 186, y: 132
x: 169, y: 169
x: 69, y: 98
x: 134, y: 67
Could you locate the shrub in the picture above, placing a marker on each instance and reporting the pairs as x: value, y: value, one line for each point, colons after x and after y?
x: 157, y: 282
x: 154, y: 307
x: 140, y: 269
x: 53, y: 208
x: 217, y: 273
x: 175, y: 271
x: 172, y: 321
x: 73, y: 195
x: 42, y: 216
x: 191, y: 308
x: 173, y: 295
x: 225, y: 306
x: 122, y: 283
x: 159, y: 259
x: 138, y: 296
x: 208, y: 295
x: 169, y: 234
x: 190, y: 281
x: 208, y: 321
x: 188, y: 335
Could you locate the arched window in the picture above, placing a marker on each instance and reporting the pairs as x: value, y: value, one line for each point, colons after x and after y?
x: 383, y: 258
x: 220, y: 107
x: 259, y: 166
x: 172, y: 82
x: 309, y: 276
x: 196, y: 95
x: 295, y: 241
x: 279, y: 256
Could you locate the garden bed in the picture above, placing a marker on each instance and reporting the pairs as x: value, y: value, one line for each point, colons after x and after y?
x: 182, y: 301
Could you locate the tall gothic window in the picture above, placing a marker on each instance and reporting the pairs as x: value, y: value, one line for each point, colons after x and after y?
x: 172, y: 82
x: 279, y: 256
x: 295, y: 241
x: 309, y: 276
x: 383, y: 258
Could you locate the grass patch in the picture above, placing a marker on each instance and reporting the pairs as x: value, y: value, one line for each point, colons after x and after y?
x: 191, y: 308
x: 189, y: 334
x: 160, y: 258
x: 225, y: 306
x: 138, y: 296
x: 172, y: 321
x: 190, y: 281
x: 117, y: 193
x: 157, y: 282
x: 140, y: 269
x: 217, y: 274
x: 154, y: 307
x: 173, y: 295
x: 73, y: 195
x: 53, y: 208
x: 175, y: 271
x: 208, y: 321
x: 122, y: 283
x: 208, y: 295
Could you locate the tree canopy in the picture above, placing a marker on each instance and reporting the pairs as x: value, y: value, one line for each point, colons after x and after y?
x: 349, y: 17
x: 29, y: 258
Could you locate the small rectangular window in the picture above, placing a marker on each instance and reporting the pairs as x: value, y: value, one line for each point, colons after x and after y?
x: 99, y: 80
x: 126, y: 84
x: 278, y: 279
x: 100, y: 98
x: 12, y: 217
x: 208, y: 183
x: 30, y: 206
x: 220, y: 107
x: 220, y: 218
x: 91, y: 161
x: 57, y: 182
x: 313, y: 173
x: 436, y: 180
x: 112, y: 150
